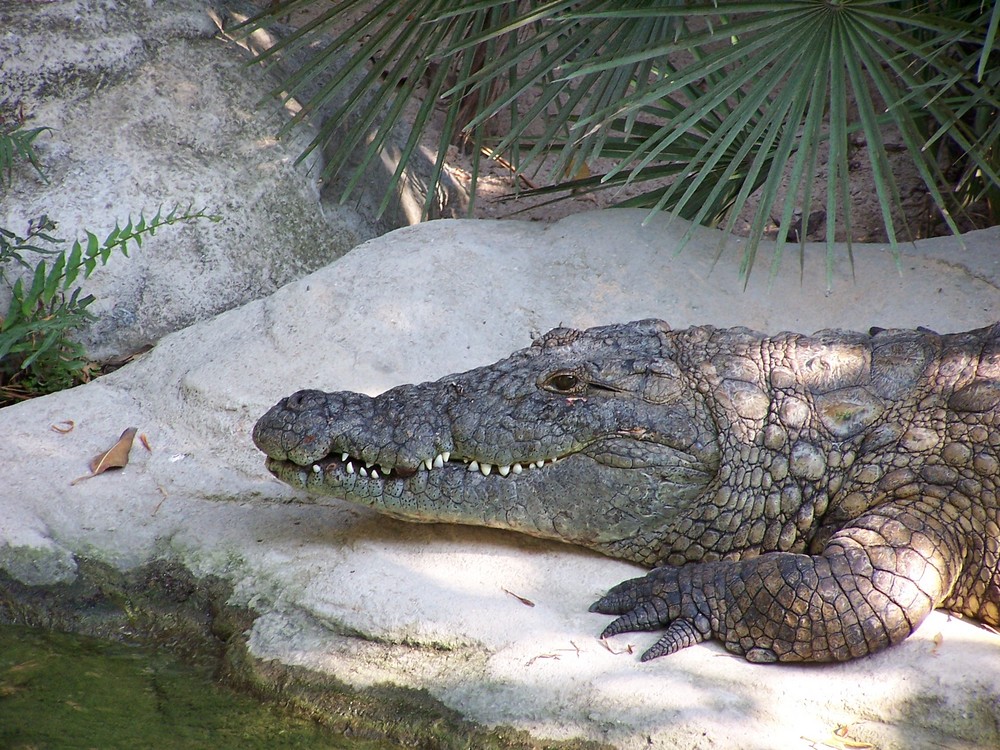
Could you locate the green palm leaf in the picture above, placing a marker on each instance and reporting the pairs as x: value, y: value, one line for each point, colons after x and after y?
x: 710, y: 102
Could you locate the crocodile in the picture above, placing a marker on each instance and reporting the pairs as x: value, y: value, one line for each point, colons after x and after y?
x: 798, y: 498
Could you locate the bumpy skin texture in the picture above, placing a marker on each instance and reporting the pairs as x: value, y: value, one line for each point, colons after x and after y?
x: 802, y: 498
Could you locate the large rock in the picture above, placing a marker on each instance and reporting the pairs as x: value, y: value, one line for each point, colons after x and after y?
x: 149, y: 107
x: 343, y: 591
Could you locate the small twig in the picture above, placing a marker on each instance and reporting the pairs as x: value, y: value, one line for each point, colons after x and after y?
x: 157, y: 508
x: 627, y: 650
x: 525, y: 602
x: 491, y: 154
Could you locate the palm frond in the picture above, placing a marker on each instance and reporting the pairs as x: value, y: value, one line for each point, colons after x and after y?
x: 715, y: 101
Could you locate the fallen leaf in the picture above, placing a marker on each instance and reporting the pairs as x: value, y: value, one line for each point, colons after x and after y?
x: 145, y: 442
x: 938, y: 640
x: 63, y: 427
x: 116, y: 457
x: 577, y: 173
x: 525, y: 602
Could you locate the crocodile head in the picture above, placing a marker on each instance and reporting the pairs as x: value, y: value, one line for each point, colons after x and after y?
x: 592, y: 437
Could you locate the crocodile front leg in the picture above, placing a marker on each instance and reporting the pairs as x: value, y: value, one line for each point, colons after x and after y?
x: 871, y: 586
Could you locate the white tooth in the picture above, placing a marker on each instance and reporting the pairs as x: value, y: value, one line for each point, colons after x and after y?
x: 554, y: 460
x: 439, y: 461
x: 374, y: 474
x: 504, y: 470
x: 539, y: 464
x: 426, y: 463
x: 446, y: 456
x: 363, y: 471
x: 350, y: 467
x: 516, y: 468
x: 473, y: 466
x: 316, y: 469
x: 486, y: 469
x: 343, y: 457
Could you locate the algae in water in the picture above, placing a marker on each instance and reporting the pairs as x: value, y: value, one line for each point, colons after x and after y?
x: 67, y: 691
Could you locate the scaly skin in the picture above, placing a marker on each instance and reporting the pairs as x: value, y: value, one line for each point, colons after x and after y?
x: 802, y: 498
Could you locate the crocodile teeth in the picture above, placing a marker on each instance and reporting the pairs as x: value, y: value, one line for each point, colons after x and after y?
x: 316, y: 469
x: 381, y: 471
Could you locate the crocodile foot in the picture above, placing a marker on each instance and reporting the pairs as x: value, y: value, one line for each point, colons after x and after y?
x: 680, y: 600
x: 852, y: 600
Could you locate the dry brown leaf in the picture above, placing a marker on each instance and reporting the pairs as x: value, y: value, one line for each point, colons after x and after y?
x: 63, y: 427
x: 145, y: 442
x: 938, y: 640
x: 525, y: 602
x: 116, y: 457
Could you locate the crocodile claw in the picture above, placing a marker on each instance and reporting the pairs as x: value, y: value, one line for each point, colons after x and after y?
x: 667, y: 598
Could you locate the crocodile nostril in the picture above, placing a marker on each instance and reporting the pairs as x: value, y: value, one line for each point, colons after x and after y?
x: 300, y: 400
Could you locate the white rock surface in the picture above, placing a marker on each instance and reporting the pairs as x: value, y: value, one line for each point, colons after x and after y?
x: 148, y: 107
x: 371, y: 599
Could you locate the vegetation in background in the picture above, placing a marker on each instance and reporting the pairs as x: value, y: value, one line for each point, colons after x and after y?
x: 708, y: 102
x: 37, y: 353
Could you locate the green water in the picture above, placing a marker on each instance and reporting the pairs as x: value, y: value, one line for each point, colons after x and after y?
x: 62, y: 691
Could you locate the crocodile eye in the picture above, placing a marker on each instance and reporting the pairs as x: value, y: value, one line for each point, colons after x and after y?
x: 563, y: 382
